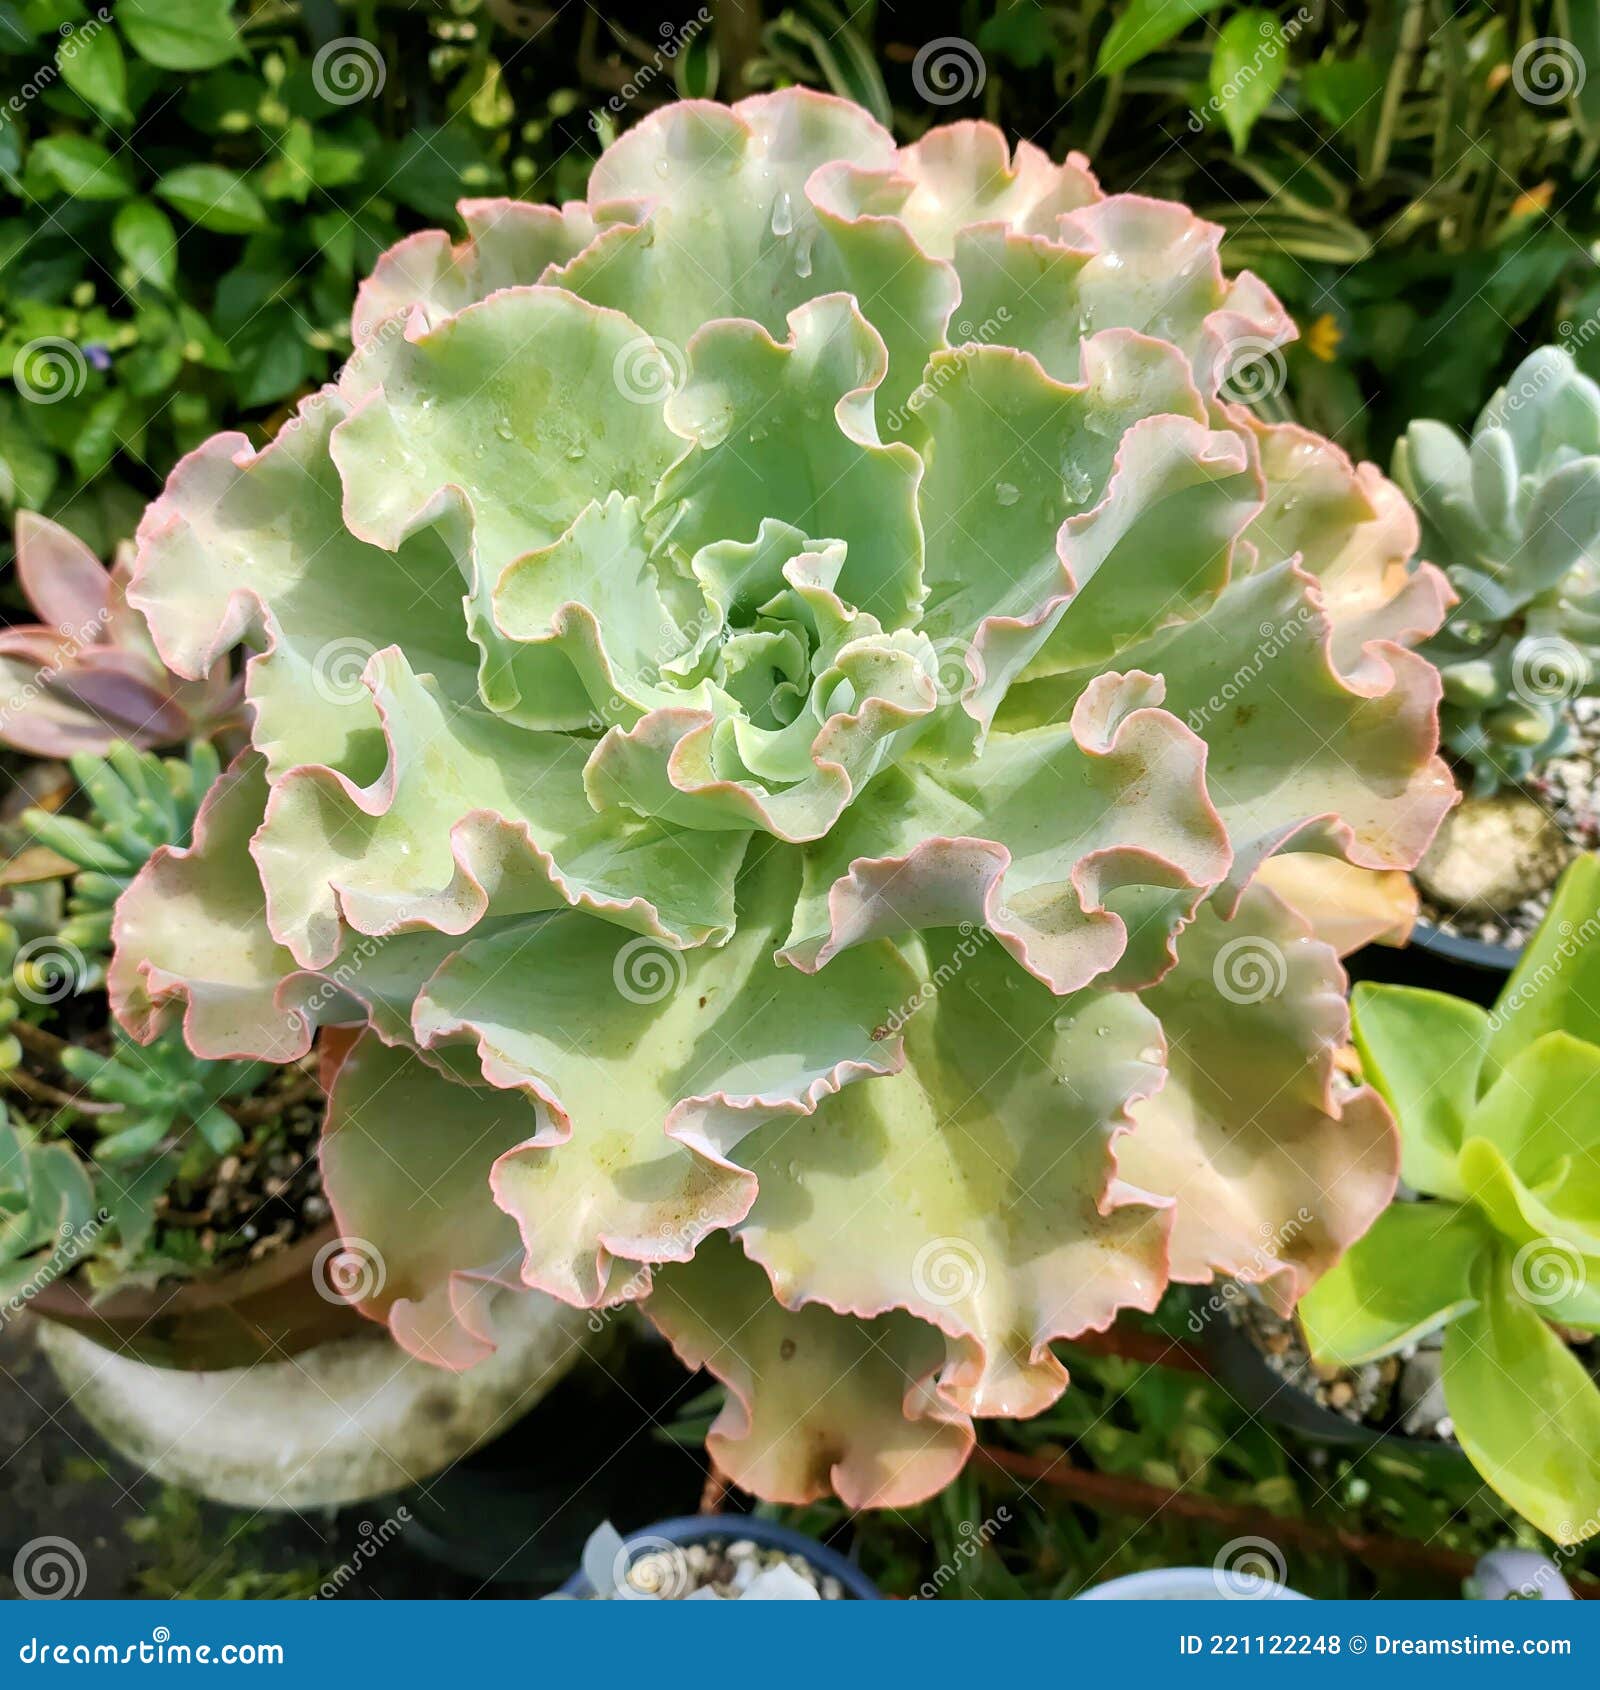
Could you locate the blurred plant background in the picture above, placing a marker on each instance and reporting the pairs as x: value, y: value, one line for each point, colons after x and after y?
x: 190, y: 191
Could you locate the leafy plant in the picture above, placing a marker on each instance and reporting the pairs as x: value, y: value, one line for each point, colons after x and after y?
x: 1513, y: 518
x: 82, y: 1175
x: 46, y: 1207
x: 790, y: 893
x: 86, y: 676
x: 193, y: 190
x: 1496, y: 1112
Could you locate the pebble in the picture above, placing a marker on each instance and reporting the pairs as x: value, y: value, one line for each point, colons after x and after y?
x: 1568, y: 788
x: 726, y: 1568
x: 1493, y: 854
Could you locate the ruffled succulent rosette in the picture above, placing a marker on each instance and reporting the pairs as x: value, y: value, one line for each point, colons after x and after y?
x: 832, y: 668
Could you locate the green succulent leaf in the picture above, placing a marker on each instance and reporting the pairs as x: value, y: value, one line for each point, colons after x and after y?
x: 1525, y: 1408
x: 1409, y: 1276
x: 1425, y: 1053
x: 213, y: 197
x: 1555, y: 986
x: 1513, y: 517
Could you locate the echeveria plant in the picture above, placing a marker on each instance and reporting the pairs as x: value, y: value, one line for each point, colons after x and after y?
x: 774, y: 689
x: 1497, y: 1112
x: 1512, y: 516
x: 85, y: 676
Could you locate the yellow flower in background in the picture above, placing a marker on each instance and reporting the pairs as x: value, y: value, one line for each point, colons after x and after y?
x: 1323, y: 337
x: 1533, y: 199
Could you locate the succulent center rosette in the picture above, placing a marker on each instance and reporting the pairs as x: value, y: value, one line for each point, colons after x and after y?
x: 782, y: 696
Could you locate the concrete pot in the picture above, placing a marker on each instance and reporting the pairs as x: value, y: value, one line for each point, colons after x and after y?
x: 337, y: 1423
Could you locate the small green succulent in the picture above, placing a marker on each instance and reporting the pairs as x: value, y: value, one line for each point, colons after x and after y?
x: 148, y: 1116
x: 47, y: 1208
x: 1497, y: 1113
x: 55, y: 932
x: 136, y: 803
x: 163, y: 1092
x: 28, y: 975
x: 1513, y: 518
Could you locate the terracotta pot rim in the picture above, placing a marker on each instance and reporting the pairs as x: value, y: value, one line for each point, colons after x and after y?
x: 65, y: 1299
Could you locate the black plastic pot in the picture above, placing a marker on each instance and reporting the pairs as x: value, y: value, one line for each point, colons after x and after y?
x: 707, y: 1528
x: 516, y: 1512
x: 1241, y: 1369
x: 1441, y: 962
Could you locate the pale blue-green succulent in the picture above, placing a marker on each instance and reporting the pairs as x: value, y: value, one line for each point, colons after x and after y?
x: 1512, y: 516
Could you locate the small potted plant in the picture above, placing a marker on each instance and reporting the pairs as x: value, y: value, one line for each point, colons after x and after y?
x: 1496, y: 1242
x: 1512, y: 516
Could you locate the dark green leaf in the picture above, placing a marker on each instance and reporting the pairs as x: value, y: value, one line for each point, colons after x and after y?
x: 1247, y: 67
x: 214, y: 198
x: 82, y: 167
x: 145, y: 240
x: 1145, y: 26
x: 1341, y: 89
x: 92, y: 66
x: 180, y: 34
x: 274, y: 360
